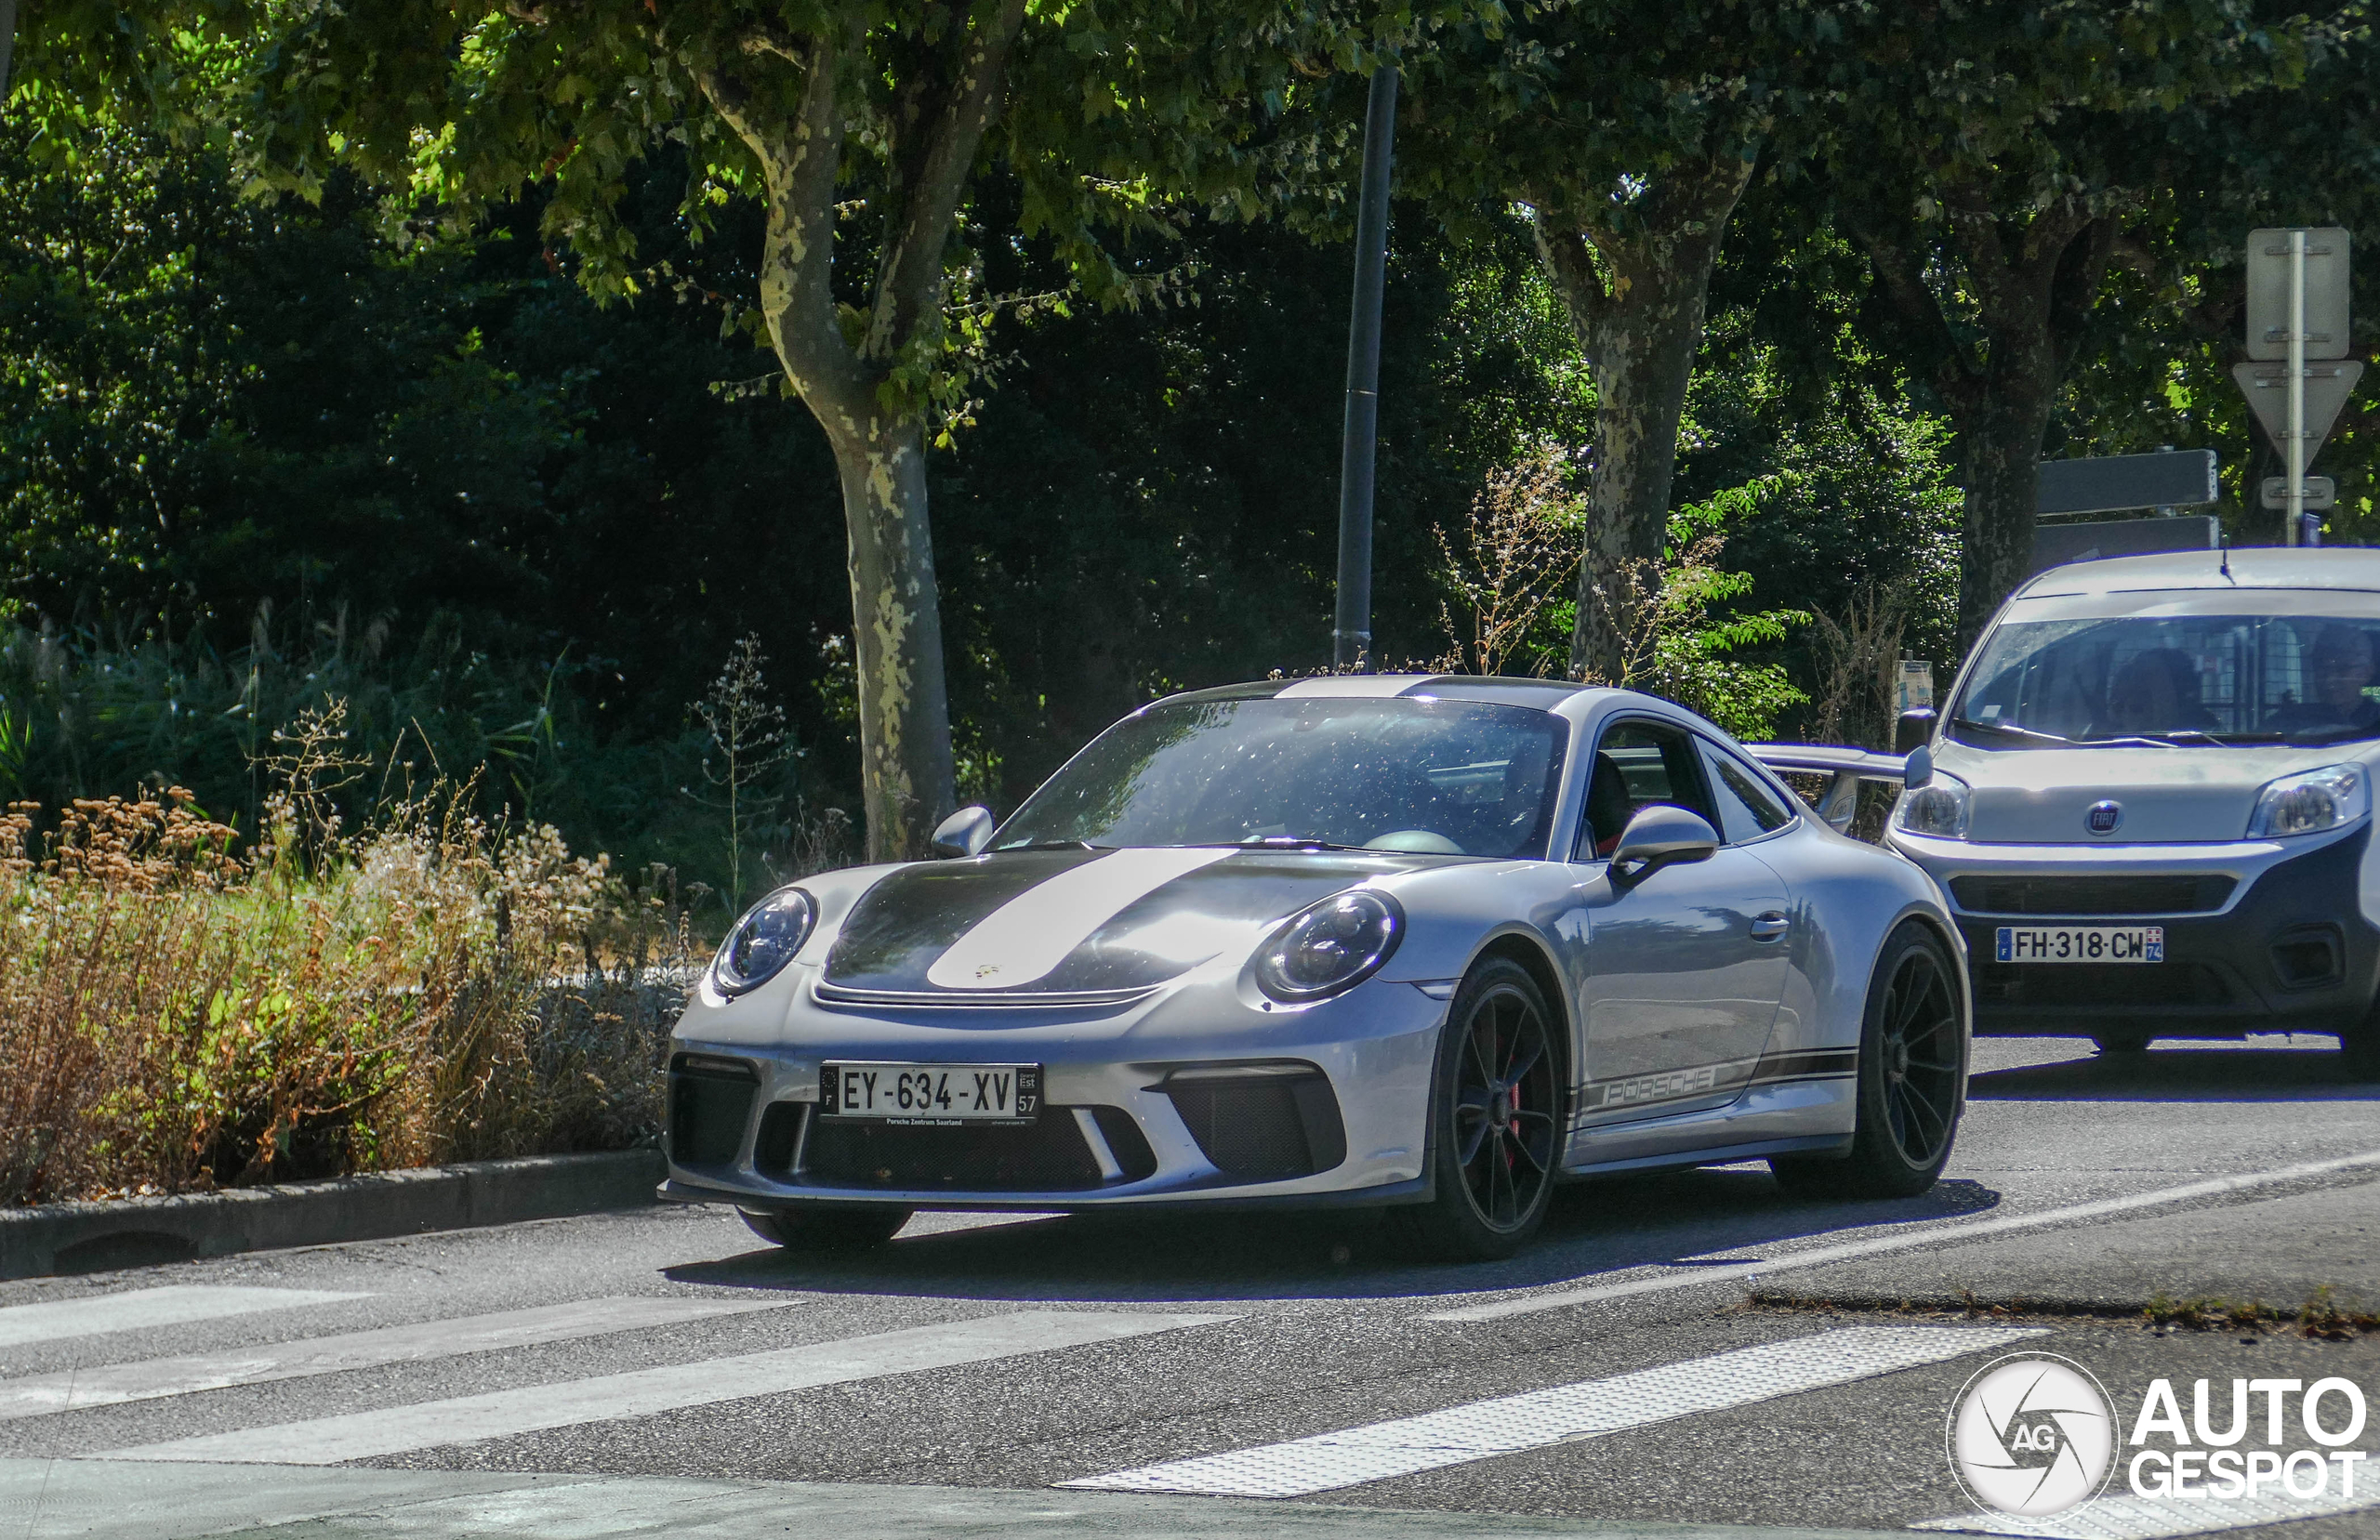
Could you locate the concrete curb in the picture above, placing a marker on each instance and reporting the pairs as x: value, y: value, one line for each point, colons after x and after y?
x: 92, y: 1237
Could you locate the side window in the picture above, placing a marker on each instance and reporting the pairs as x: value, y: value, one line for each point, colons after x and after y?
x: 1634, y: 764
x: 1747, y: 809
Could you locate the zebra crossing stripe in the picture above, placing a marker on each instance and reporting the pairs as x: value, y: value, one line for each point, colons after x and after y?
x: 38, y: 1395
x: 1509, y: 1425
x: 643, y: 1392
x: 140, y: 1310
x: 2120, y: 1516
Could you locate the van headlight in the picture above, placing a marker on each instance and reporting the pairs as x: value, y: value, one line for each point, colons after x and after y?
x: 1938, y: 808
x: 763, y: 941
x: 1332, y: 946
x: 2310, y: 801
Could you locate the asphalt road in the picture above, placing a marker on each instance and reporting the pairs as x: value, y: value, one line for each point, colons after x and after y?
x: 1694, y: 1350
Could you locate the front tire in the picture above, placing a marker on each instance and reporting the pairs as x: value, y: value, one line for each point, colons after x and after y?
x: 827, y: 1228
x: 1495, y: 1120
x: 1913, y: 1079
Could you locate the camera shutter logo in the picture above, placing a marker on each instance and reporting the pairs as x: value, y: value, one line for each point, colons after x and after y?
x: 2031, y: 1435
x: 2105, y: 817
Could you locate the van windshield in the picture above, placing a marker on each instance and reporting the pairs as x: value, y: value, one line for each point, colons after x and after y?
x: 2175, y: 678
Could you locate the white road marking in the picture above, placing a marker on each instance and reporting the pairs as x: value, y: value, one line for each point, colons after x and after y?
x: 67, y: 1391
x: 643, y: 1392
x: 1953, y: 1233
x: 1032, y: 933
x: 2120, y: 1516
x: 140, y: 1310
x: 1538, y: 1418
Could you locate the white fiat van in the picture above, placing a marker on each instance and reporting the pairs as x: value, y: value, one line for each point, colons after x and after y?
x: 2150, y: 800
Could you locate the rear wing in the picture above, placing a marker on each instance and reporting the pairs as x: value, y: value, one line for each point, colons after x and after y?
x: 1847, y: 768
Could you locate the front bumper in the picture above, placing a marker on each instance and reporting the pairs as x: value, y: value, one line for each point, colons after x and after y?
x: 2286, y: 948
x: 1196, y: 1095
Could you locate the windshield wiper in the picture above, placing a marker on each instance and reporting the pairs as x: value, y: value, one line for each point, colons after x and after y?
x: 1055, y: 845
x: 2330, y: 735
x: 1289, y: 842
x: 2220, y: 740
x: 2010, y: 728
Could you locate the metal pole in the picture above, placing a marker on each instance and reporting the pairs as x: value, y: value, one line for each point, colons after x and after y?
x: 1351, y: 637
x: 2296, y: 384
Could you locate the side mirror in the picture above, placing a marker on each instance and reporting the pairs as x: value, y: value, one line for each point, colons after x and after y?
x: 1662, y: 836
x: 964, y: 833
x: 1917, y: 768
x: 1914, y: 727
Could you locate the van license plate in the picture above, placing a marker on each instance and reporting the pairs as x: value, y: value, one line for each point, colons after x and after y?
x: 2080, y: 943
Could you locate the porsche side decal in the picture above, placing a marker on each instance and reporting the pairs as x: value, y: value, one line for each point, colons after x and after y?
x: 1705, y: 1079
x: 1032, y: 933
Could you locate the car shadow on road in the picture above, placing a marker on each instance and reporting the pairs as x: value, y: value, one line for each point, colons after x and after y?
x: 1679, y: 1219
x: 2178, y: 1072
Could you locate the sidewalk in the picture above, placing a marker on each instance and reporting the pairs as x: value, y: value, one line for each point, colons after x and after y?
x: 2278, y: 1253
x: 87, y: 1500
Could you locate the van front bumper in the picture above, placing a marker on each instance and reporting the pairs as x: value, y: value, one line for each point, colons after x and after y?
x: 2287, y: 948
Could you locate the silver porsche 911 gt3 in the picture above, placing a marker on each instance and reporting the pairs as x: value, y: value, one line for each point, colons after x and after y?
x: 1429, y: 942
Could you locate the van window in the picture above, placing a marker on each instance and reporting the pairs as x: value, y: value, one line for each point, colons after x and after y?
x: 2177, y: 678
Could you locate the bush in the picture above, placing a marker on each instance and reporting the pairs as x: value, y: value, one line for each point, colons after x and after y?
x: 179, y: 1015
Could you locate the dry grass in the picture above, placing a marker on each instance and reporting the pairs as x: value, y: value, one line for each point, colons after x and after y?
x: 176, y: 1014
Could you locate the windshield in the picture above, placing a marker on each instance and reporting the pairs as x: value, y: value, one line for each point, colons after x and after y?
x: 2179, y: 678
x: 1450, y: 777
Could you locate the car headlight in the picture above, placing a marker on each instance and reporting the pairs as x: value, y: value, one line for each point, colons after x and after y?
x: 1331, y: 946
x: 2310, y: 801
x: 763, y: 941
x: 1937, y: 808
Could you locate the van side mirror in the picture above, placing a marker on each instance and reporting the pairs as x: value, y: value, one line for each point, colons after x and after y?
x: 964, y: 833
x: 1662, y: 836
x: 1914, y: 727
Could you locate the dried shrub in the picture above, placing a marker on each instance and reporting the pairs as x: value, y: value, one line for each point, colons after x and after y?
x: 181, y: 1016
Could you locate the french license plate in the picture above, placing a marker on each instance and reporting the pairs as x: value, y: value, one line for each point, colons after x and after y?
x: 2081, y: 943
x: 930, y: 1093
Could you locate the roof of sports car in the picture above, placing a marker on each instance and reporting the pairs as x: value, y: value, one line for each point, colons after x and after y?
x: 1544, y: 694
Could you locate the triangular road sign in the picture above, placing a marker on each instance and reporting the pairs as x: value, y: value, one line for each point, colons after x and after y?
x: 2327, y: 385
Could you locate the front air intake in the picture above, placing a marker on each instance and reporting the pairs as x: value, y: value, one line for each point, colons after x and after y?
x: 710, y: 1099
x: 1260, y: 1122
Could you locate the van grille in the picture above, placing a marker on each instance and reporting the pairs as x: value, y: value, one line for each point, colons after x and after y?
x: 2083, y: 896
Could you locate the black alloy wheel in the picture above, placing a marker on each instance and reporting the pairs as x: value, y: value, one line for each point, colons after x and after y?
x: 1913, y: 1079
x: 1497, y: 1127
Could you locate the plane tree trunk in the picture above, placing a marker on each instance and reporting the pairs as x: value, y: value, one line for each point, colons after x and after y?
x: 1635, y: 302
x: 2029, y: 290
x: 857, y: 368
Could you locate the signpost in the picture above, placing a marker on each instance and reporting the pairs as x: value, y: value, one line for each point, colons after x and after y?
x: 2110, y: 484
x: 2297, y: 314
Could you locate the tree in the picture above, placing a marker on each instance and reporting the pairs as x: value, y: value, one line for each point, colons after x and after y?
x: 863, y: 128
x: 2179, y: 284
x: 1988, y: 157
x: 1629, y: 130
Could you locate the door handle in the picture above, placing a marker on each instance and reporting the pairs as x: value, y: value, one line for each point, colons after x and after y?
x: 1768, y: 926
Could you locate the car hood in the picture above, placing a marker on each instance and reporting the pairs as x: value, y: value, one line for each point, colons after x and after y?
x: 1038, y: 923
x: 2169, y: 796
